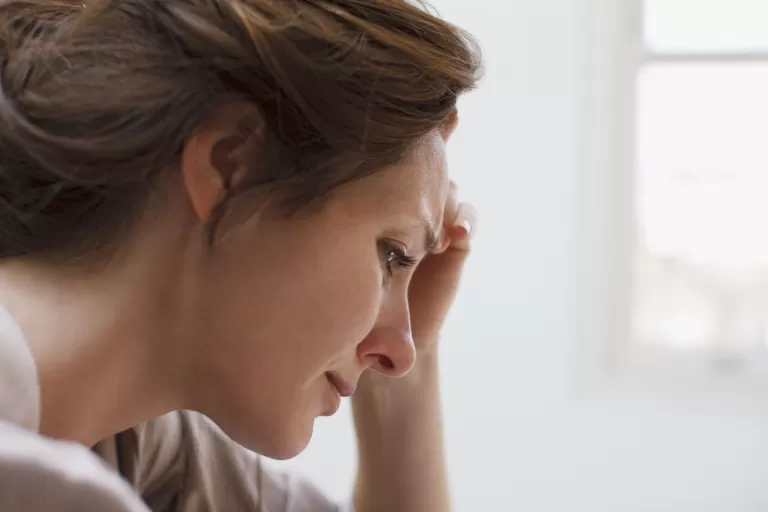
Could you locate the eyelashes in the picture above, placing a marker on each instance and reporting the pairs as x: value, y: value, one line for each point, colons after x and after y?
x: 395, y: 258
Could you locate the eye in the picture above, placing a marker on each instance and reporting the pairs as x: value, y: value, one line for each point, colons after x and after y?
x: 395, y: 258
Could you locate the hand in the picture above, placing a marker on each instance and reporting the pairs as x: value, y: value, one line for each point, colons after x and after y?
x: 399, y: 421
x: 436, y: 279
x: 430, y: 295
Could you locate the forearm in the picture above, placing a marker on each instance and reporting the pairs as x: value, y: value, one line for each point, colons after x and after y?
x: 400, y: 442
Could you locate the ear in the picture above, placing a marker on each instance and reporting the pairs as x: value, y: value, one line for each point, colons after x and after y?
x: 449, y: 125
x: 216, y: 156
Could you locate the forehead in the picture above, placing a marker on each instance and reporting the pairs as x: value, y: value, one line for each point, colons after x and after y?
x: 416, y: 186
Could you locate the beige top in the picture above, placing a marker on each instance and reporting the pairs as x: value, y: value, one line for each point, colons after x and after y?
x: 180, y: 462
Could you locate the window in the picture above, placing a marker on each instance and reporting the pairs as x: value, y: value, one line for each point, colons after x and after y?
x: 700, y: 133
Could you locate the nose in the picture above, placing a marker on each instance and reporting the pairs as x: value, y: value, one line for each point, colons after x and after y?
x: 388, y: 350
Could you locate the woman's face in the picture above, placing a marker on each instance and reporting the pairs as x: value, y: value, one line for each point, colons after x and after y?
x: 294, y: 311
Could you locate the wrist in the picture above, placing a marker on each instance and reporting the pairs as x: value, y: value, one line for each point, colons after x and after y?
x: 424, y: 371
x: 396, y: 414
x: 378, y: 396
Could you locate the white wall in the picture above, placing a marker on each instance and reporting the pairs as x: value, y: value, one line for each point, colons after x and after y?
x: 523, y: 433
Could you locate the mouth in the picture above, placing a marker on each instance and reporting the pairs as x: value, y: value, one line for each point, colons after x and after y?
x: 343, y: 387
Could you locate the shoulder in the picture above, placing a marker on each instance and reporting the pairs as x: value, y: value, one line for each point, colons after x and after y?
x: 73, y: 479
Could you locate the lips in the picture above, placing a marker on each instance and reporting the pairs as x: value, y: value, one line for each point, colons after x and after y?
x: 344, y: 388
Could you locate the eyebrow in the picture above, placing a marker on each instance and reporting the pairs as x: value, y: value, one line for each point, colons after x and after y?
x: 431, y: 240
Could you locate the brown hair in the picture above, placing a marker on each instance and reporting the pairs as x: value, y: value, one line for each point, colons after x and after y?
x: 97, y: 98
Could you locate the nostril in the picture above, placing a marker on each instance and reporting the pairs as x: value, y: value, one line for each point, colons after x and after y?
x: 386, y: 363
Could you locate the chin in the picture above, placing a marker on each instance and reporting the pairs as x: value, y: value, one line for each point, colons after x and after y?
x: 280, y: 443
x: 284, y: 452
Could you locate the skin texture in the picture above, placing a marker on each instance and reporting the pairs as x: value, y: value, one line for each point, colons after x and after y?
x: 248, y: 330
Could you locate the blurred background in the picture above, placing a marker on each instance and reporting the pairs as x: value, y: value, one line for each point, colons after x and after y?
x: 609, y: 349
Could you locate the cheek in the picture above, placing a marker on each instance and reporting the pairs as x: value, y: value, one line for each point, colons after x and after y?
x: 338, y: 301
x: 306, y: 305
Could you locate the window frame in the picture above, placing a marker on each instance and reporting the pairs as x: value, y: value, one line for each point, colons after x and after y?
x: 605, y: 282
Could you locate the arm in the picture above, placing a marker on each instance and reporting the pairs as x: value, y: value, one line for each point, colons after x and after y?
x: 399, y: 422
x: 400, y: 442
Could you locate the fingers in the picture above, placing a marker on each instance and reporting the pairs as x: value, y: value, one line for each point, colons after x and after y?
x: 459, y: 222
x: 463, y: 228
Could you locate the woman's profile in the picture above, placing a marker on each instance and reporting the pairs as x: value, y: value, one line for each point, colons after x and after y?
x: 217, y: 219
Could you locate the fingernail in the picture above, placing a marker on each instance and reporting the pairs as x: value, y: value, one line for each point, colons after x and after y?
x: 463, y: 228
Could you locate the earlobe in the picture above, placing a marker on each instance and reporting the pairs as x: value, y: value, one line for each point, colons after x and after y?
x: 449, y: 126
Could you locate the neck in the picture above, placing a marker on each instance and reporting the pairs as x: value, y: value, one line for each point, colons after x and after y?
x: 100, y: 343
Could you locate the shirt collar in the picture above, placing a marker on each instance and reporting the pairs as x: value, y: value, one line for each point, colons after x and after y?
x: 19, y: 388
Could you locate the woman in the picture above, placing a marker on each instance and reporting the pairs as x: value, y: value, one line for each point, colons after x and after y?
x: 233, y: 207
